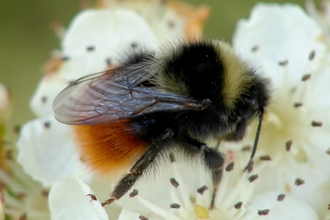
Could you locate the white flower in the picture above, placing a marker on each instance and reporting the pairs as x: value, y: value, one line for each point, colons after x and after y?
x: 23, y: 197
x: 43, y: 158
x: 20, y: 197
x: 292, y: 185
x: 184, y: 192
x: 170, y: 20
x: 78, y: 199
x: 322, y: 16
x: 291, y: 48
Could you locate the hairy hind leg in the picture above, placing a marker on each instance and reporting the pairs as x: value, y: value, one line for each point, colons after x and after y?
x: 124, y: 185
x: 212, y: 159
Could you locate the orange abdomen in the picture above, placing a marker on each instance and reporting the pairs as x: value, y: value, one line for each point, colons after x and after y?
x: 109, y: 149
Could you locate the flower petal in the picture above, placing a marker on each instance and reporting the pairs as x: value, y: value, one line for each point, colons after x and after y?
x: 97, y: 35
x: 282, y: 37
x: 303, y: 181
x: 47, y: 151
x: 50, y: 86
x: 287, y: 209
x: 69, y: 199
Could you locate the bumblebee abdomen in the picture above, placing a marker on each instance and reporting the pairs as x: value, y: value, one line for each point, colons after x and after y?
x: 109, y: 149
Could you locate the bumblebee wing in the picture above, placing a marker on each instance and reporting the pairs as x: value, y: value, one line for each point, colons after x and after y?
x: 116, y: 94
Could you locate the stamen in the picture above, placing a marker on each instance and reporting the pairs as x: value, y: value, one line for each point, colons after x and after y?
x: 265, y: 157
x: 47, y: 124
x: 246, y: 148
x: 328, y: 151
x: 263, y: 212
x: 175, y: 206
x: 255, y: 48
x: 172, y: 157
x: 280, y: 197
x: 65, y: 58
x: 230, y: 166
x: 238, y: 205
x: 174, y: 182
x: 93, y: 197
x: 134, y: 45
x: 143, y: 217
x: 317, y: 124
x: 288, y: 145
x: 299, y: 182
x: 45, y: 193
x: 298, y: 104
x: 134, y: 193
x: 171, y: 24
x: 283, y: 63
x: 90, y: 48
x: 306, y: 77
x: 44, y: 99
x: 311, y: 55
x: 108, y: 61
x: 249, y: 167
x: 253, y: 178
x: 202, y: 189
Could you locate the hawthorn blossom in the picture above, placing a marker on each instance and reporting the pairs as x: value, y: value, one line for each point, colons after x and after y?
x: 291, y: 48
x: 289, y: 178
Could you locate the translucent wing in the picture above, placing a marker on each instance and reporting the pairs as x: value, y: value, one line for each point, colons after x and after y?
x: 117, y: 94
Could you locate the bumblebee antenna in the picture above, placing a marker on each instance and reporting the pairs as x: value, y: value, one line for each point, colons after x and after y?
x: 256, y: 139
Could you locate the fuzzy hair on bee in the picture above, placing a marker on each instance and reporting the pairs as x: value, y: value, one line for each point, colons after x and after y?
x: 173, y: 101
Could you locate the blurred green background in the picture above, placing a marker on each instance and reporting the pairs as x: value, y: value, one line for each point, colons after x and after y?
x: 27, y: 40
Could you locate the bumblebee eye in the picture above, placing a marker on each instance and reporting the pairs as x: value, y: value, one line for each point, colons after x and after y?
x: 254, y: 105
x: 238, y: 119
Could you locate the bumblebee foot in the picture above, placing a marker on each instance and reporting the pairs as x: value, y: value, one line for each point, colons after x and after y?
x: 108, y: 202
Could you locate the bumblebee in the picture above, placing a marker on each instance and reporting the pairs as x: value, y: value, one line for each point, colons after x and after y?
x: 129, y: 117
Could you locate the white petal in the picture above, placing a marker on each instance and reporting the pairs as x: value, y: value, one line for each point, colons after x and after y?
x: 156, y: 193
x: 288, y: 209
x: 110, y: 34
x: 327, y: 216
x: 282, y: 176
x: 47, y: 151
x: 165, y: 32
x: 131, y: 215
x: 322, y: 161
x: 68, y: 199
x: 50, y: 86
x: 127, y: 215
x: 278, y: 34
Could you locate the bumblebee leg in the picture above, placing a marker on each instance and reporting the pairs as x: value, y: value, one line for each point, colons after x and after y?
x: 216, y: 178
x: 139, y: 167
x: 212, y: 159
